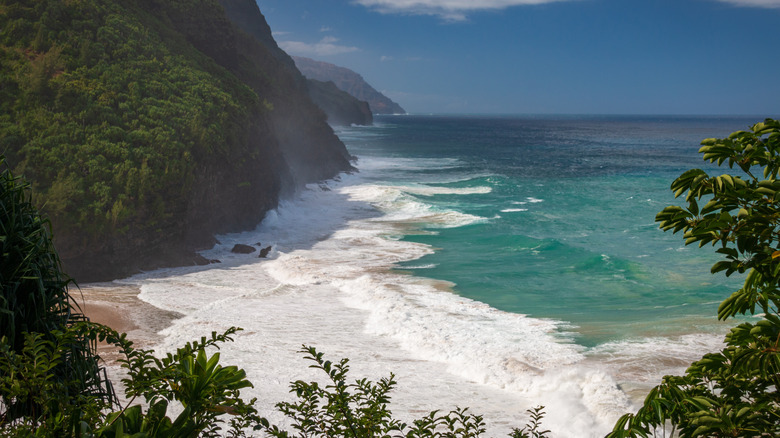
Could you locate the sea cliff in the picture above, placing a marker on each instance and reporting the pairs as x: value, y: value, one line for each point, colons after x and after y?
x: 148, y: 126
x: 350, y: 82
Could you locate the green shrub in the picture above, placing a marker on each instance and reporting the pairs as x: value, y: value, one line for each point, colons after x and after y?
x: 360, y: 409
x: 35, y: 307
x: 732, y: 393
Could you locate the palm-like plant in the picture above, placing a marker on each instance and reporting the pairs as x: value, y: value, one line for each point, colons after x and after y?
x: 35, y: 298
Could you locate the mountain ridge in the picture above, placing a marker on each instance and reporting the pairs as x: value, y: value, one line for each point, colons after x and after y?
x: 349, y: 81
x: 340, y: 109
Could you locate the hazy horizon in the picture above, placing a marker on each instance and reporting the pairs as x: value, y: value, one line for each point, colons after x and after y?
x: 502, y: 114
x: 695, y: 57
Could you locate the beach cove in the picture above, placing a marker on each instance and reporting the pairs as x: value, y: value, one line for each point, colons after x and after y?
x: 364, y: 267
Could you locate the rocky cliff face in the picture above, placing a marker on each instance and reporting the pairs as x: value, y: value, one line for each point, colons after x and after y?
x: 148, y: 126
x: 349, y: 81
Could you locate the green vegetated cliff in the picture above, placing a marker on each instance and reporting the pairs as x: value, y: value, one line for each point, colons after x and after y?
x: 146, y: 126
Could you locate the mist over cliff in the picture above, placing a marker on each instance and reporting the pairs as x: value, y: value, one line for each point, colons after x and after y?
x: 340, y: 109
x: 148, y: 126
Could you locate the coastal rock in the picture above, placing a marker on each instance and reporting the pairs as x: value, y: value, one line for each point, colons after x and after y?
x: 308, y: 144
x: 264, y: 252
x: 199, y: 260
x: 240, y: 248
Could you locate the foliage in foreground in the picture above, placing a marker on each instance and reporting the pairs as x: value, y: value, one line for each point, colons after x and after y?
x: 35, y: 307
x: 209, y: 394
x: 732, y: 393
x: 360, y: 409
x: 205, y: 389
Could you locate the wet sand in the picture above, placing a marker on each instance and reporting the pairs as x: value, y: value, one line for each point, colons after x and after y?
x: 117, y: 306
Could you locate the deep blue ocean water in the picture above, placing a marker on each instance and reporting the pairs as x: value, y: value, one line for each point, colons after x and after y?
x: 566, y: 208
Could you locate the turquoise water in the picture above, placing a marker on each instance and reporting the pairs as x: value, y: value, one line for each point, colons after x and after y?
x: 566, y: 208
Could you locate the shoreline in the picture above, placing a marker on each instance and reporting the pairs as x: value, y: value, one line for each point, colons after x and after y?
x: 117, y: 305
x: 311, y: 310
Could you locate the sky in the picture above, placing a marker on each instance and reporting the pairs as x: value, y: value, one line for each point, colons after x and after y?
x: 548, y: 56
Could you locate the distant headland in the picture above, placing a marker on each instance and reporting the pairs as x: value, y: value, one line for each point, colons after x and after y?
x: 349, y: 81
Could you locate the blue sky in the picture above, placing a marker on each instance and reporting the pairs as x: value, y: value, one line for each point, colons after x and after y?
x: 548, y: 56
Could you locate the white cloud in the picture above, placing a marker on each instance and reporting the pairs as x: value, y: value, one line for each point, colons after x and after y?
x: 754, y: 3
x: 450, y: 10
x: 385, y: 58
x: 326, y: 29
x: 325, y: 47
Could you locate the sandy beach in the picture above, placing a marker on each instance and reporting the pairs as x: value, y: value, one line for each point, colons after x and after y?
x: 117, y: 306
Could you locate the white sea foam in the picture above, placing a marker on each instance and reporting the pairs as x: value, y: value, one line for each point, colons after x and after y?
x: 328, y: 284
x: 437, y: 190
x: 513, y: 210
x: 426, y: 266
x: 420, y: 172
x: 399, y: 207
x: 529, y: 200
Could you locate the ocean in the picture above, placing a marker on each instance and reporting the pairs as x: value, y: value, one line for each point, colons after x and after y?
x: 498, y: 263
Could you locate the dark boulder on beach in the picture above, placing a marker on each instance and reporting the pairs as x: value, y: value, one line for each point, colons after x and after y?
x: 264, y: 252
x: 199, y: 260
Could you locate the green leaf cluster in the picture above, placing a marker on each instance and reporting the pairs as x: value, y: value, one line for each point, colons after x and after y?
x: 206, y: 390
x: 39, y: 367
x: 36, y: 401
x: 734, y: 392
x: 360, y: 409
